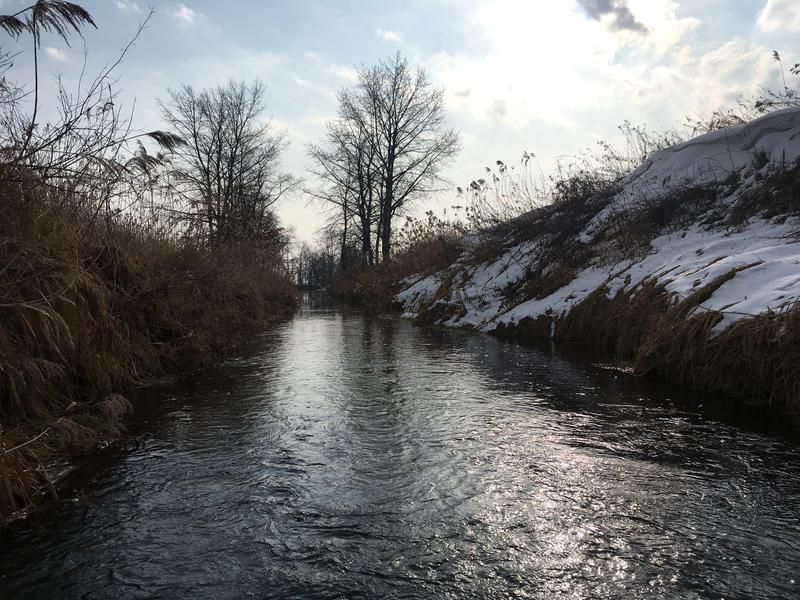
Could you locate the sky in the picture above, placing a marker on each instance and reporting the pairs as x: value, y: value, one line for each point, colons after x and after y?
x: 551, y: 77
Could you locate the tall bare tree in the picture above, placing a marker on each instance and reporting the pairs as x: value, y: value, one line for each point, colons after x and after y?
x: 406, y: 116
x: 387, y: 148
x: 345, y: 162
x: 228, y: 171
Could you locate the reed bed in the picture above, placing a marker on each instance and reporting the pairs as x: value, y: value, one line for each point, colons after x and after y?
x: 90, y: 307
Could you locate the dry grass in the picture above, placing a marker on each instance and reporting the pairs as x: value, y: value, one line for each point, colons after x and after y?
x: 777, y: 195
x: 431, y: 248
x: 365, y: 287
x: 615, y: 326
x: 89, y: 308
x: 756, y: 359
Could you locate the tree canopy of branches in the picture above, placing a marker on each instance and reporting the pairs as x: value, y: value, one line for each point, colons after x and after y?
x: 386, y: 148
x: 227, y: 173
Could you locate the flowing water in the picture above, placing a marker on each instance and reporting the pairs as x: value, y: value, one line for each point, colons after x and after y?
x: 355, y: 457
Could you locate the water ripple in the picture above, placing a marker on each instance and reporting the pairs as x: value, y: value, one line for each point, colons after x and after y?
x: 349, y: 457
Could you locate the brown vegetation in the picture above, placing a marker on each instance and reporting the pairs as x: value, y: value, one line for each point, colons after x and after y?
x: 88, y: 309
x: 108, y: 278
x: 422, y: 246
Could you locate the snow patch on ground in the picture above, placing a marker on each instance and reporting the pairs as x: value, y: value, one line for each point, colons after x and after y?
x: 420, y: 291
x: 767, y: 254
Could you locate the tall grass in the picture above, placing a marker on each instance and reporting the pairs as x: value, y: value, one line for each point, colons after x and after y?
x: 102, y: 286
x: 89, y: 308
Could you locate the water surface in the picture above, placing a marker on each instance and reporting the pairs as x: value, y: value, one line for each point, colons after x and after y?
x: 355, y: 457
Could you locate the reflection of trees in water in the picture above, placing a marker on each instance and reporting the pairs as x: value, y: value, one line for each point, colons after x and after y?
x: 372, y: 408
x: 315, y: 300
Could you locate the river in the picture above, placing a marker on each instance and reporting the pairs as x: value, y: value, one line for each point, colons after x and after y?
x: 347, y: 456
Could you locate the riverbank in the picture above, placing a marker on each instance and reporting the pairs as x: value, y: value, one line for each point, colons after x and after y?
x: 94, y: 306
x: 688, y: 268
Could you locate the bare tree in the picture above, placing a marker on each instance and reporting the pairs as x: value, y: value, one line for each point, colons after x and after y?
x: 387, y: 148
x: 405, y: 115
x: 345, y: 163
x: 228, y: 171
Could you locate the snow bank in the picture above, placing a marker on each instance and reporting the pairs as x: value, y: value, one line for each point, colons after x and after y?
x: 420, y: 291
x: 708, y: 159
x: 766, y: 254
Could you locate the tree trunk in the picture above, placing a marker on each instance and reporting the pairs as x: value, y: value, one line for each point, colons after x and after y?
x: 386, y: 238
x: 385, y: 231
x: 343, y: 255
x: 366, y: 243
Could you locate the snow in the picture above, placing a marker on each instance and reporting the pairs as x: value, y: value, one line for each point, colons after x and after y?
x: 557, y: 303
x: 419, y: 293
x: 770, y: 252
x: 765, y: 254
x: 709, y: 158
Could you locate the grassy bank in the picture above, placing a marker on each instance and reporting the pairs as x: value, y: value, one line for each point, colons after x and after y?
x: 91, y: 306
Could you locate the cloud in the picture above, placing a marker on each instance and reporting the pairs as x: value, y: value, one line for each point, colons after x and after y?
x: 56, y: 54
x: 779, y: 15
x: 301, y: 82
x: 389, y: 36
x: 622, y: 17
x: 128, y: 5
x: 319, y: 120
x: 348, y: 73
x: 698, y: 83
x: 185, y: 15
x: 499, y: 108
x: 546, y: 83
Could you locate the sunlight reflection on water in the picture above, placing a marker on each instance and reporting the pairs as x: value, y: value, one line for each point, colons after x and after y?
x: 357, y: 457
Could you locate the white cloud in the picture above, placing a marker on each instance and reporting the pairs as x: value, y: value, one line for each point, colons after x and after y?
x: 56, y: 54
x: 530, y: 88
x: 779, y: 15
x: 318, y: 121
x: 389, y: 36
x: 185, y: 15
x: 697, y: 84
x: 531, y: 73
x: 347, y: 73
x: 128, y: 5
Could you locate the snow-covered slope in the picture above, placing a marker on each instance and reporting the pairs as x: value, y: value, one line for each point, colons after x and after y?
x: 745, y: 150
x: 682, y: 257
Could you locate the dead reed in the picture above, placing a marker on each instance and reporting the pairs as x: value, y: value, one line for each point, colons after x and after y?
x: 91, y: 307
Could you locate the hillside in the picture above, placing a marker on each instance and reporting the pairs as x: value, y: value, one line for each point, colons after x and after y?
x: 690, y: 266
